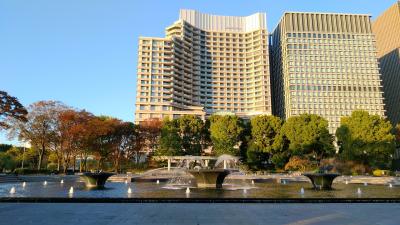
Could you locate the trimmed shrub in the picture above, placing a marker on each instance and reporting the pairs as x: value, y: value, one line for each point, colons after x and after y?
x: 345, y: 167
x: 297, y: 163
x: 26, y: 171
x: 381, y: 173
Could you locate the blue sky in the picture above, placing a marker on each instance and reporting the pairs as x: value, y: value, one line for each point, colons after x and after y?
x: 83, y: 52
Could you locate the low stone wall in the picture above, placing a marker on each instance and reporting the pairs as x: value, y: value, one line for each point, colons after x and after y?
x: 280, y: 178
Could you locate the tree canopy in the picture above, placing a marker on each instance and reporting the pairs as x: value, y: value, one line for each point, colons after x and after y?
x: 186, y: 135
x: 366, y: 138
x: 40, y: 128
x: 170, y: 141
x: 308, y: 135
x: 10, y: 107
x: 265, y: 131
x: 225, y: 132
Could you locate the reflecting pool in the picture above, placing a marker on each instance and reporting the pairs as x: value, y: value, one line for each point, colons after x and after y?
x: 230, y: 189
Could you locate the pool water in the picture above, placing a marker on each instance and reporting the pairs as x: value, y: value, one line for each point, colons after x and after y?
x: 229, y: 190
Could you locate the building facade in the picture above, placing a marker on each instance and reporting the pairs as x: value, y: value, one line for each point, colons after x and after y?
x: 387, y: 30
x: 205, y: 64
x: 325, y: 64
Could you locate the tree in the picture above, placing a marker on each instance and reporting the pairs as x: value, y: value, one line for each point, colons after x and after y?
x: 150, y: 130
x: 5, y: 147
x: 265, y: 131
x: 192, y: 132
x: 256, y: 158
x: 40, y: 127
x: 71, y: 139
x: 366, y: 138
x: 6, y: 162
x: 105, y: 138
x: 138, y: 145
x: 308, y: 136
x: 170, y: 141
x: 397, y: 134
x: 126, y: 137
x: 187, y: 135
x: 10, y: 107
x: 225, y: 132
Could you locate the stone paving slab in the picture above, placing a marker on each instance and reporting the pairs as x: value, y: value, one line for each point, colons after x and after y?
x: 198, y: 214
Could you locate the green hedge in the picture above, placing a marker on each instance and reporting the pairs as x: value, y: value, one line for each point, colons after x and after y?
x: 26, y: 171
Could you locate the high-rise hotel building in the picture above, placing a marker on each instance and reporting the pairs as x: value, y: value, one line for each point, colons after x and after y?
x: 387, y: 30
x: 205, y: 64
x: 325, y: 64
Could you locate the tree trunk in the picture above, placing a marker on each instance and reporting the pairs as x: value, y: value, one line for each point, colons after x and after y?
x: 65, y: 166
x: 98, y: 164
x: 81, y: 164
x: 40, y: 161
x: 58, y: 164
x: 66, y: 163
x: 74, y: 158
x: 116, y: 162
x: 85, y: 163
x: 41, y: 152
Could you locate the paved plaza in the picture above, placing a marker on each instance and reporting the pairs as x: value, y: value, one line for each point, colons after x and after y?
x: 197, y: 214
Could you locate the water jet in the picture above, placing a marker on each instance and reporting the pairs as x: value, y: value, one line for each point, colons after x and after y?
x: 12, y: 190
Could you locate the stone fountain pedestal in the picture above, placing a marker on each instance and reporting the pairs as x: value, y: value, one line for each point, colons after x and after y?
x: 96, y: 180
x: 209, y: 178
x: 322, y: 181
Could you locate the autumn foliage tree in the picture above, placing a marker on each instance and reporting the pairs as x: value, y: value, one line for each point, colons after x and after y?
x: 10, y: 107
x: 74, y: 132
x: 40, y: 128
x: 150, y: 130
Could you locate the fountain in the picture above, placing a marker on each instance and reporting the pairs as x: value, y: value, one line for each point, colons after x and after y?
x: 390, y: 185
x: 12, y: 190
x: 322, y: 179
x: 129, y: 190
x: 24, y: 184
x: 209, y: 178
x: 62, y: 181
x: 96, y: 180
x: 208, y: 175
x: 45, y: 183
x: 187, y: 190
x: 302, y: 191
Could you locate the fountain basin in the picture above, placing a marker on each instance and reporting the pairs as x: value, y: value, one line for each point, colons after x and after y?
x: 96, y: 180
x: 209, y: 178
x: 321, y: 181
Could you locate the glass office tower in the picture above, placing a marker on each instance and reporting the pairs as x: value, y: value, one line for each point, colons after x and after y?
x: 387, y: 30
x: 325, y: 64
